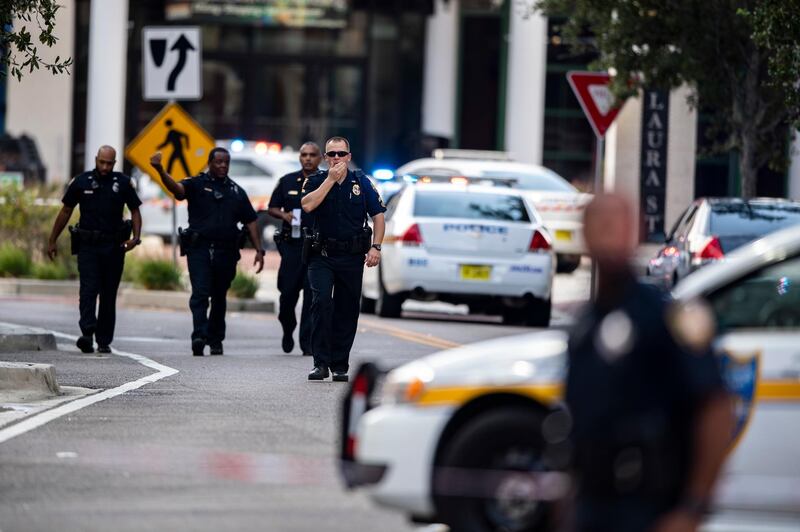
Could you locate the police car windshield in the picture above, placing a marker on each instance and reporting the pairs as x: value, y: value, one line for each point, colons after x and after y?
x: 547, y: 180
x: 461, y: 204
x: 243, y: 168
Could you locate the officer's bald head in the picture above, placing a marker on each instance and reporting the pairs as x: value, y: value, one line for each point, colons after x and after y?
x: 608, y: 226
x: 105, y: 160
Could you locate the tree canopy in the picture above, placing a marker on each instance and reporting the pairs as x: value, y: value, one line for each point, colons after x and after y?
x: 727, y: 50
x: 20, y: 48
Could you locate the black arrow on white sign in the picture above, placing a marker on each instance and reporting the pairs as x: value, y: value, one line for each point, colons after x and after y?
x: 182, y: 45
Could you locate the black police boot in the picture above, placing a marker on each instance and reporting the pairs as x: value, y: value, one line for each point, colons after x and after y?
x: 85, y: 344
x: 103, y: 348
x: 216, y: 349
x: 340, y: 376
x: 319, y: 373
x: 288, y: 342
x: 198, y: 344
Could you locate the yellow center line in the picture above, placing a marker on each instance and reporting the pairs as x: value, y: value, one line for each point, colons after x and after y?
x: 409, y: 336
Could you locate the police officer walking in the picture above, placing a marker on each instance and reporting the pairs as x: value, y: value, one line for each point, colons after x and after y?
x: 341, y: 200
x: 293, y: 273
x: 651, y: 420
x: 216, y: 206
x: 100, y: 240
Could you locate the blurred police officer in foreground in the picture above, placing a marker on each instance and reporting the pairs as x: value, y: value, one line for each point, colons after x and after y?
x: 651, y: 419
x: 211, y: 243
x: 292, y: 273
x: 100, y: 240
x: 341, y: 200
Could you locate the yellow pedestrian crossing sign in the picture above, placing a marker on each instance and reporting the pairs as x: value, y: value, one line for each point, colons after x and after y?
x: 184, y: 145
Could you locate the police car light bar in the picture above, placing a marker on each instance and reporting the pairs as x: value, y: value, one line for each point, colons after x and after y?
x: 383, y: 174
x: 485, y: 155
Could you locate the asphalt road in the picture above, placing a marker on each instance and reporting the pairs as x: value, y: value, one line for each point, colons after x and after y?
x: 238, y: 442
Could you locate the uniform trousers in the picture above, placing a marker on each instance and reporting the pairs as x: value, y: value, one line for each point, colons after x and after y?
x: 211, y: 271
x: 336, y: 298
x: 292, y: 278
x: 100, y: 270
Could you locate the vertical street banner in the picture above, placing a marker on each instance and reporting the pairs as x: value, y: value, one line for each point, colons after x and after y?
x: 653, y: 175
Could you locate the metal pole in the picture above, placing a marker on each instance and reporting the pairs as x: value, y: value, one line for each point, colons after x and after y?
x: 597, y: 189
x: 174, y: 235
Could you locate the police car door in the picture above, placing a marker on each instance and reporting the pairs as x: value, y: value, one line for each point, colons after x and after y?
x: 759, y: 318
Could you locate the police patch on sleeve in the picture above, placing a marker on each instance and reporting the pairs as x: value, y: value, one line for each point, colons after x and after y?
x: 380, y: 199
x: 691, y: 324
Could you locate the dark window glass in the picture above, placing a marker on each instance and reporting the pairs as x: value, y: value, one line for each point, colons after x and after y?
x: 470, y: 205
x: 767, y: 299
x: 752, y: 219
x: 240, y: 168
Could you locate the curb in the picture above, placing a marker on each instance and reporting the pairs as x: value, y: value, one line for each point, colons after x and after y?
x: 30, y: 378
x: 128, y: 296
x: 15, y: 338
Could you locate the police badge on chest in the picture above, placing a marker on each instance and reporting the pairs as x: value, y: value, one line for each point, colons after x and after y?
x: 356, y: 189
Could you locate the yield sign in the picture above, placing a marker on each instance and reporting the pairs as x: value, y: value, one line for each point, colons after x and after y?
x: 181, y: 140
x: 597, y: 102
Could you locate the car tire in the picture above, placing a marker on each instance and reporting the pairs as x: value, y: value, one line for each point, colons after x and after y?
x: 503, y: 439
x: 567, y: 263
x: 367, y: 305
x: 538, y: 312
x: 387, y: 305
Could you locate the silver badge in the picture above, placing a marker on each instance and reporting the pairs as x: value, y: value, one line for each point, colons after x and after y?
x: 115, y: 187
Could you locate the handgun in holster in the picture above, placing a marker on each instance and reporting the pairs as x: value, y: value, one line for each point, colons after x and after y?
x: 244, y: 232
x: 187, y: 239
x: 74, y: 239
x: 311, y: 244
x: 124, y: 232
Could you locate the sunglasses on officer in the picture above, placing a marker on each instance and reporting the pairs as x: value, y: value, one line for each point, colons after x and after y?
x: 333, y: 154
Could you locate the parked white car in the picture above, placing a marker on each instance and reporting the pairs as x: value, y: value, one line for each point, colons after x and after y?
x: 558, y: 202
x: 483, y: 246
x: 470, y: 409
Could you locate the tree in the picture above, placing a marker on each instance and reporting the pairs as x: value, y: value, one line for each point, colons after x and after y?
x: 708, y: 44
x: 19, y: 51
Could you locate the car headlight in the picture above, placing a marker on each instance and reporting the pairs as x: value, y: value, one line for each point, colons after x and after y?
x: 406, y: 384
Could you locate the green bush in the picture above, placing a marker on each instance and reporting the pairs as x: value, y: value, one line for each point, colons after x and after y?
x: 130, y: 274
x: 53, y: 271
x: 157, y: 274
x: 14, y: 261
x: 244, y: 286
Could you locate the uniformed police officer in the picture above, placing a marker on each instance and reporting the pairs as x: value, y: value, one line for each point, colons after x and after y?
x: 101, y: 240
x: 216, y: 206
x: 651, y: 418
x: 341, y: 200
x: 292, y: 273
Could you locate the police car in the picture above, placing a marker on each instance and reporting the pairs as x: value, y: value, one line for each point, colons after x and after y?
x: 483, y: 246
x: 457, y: 423
x: 255, y: 166
x: 559, y: 203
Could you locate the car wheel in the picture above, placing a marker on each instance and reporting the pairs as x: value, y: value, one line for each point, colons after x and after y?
x: 567, y: 263
x: 537, y: 313
x: 478, y: 486
x: 387, y: 305
x: 367, y: 305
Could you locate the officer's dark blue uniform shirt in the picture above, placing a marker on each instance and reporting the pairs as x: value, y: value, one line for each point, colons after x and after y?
x: 287, y: 196
x: 342, y: 213
x: 216, y: 206
x: 102, y: 199
x: 632, y: 381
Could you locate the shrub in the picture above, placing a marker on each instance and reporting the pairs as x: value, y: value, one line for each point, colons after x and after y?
x: 54, y: 271
x: 130, y: 274
x: 14, y: 262
x: 244, y: 286
x: 157, y: 274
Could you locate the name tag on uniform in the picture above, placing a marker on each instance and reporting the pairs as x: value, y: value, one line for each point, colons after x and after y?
x: 293, y: 193
x: 207, y: 189
x: 88, y: 191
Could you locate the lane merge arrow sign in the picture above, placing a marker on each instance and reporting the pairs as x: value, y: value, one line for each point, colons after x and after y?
x: 172, y: 62
x: 591, y: 90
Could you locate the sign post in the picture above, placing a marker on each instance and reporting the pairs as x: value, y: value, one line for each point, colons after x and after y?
x: 183, y: 142
x: 591, y: 90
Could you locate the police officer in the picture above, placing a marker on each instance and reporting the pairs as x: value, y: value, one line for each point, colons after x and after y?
x: 292, y: 273
x: 341, y: 200
x: 651, y: 418
x: 216, y: 206
x: 101, y: 240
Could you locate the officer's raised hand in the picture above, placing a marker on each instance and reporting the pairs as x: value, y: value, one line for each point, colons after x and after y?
x: 155, y: 160
x: 373, y: 257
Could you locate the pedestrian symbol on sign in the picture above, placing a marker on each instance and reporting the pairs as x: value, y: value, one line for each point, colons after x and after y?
x: 171, y: 59
x: 176, y: 139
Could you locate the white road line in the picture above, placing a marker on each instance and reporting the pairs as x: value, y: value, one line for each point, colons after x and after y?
x: 38, y: 420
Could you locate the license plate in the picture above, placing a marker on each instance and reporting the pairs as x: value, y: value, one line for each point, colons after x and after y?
x: 563, y: 235
x: 471, y: 272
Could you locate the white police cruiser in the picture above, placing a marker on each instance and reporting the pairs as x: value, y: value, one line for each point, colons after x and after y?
x: 558, y: 202
x: 483, y: 246
x: 469, y: 411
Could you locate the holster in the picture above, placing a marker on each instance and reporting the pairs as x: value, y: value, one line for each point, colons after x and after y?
x: 75, y: 239
x: 187, y: 239
x: 311, y: 244
x: 363, y: 242
x: 125, y: 231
